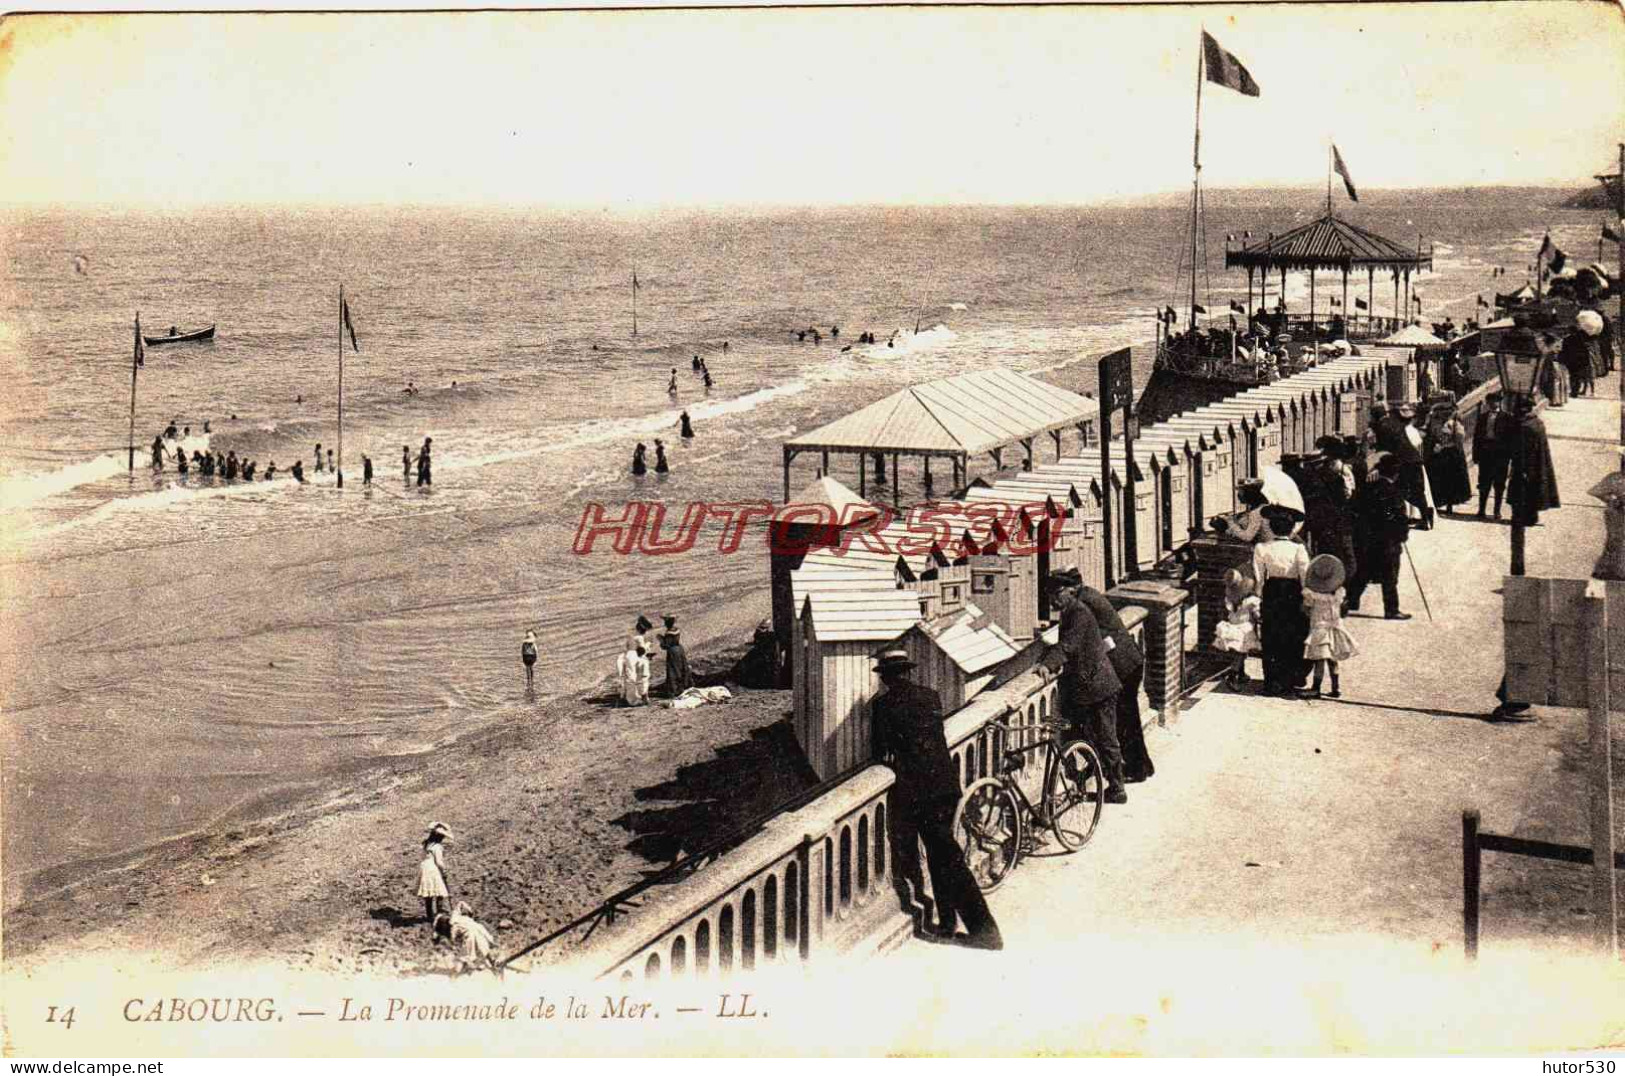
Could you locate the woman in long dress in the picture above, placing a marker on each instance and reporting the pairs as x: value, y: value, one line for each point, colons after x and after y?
x: 432, y: 872
x: 1447, y: 459
x: 1279, y: 567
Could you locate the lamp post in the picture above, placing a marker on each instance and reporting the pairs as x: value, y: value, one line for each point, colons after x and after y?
x: 1521, y: 359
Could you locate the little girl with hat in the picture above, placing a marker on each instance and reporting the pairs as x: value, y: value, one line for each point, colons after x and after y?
x: 1238, y: 632
x: 1328, y: 642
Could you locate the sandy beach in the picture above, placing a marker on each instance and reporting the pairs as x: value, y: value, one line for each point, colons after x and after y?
x: 553, y: 808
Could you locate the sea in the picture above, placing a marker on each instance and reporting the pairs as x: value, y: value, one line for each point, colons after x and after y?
x: 176, y: 651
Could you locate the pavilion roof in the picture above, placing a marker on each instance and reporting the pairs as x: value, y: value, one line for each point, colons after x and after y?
x: 956, y: 416
x: 1329, y: 242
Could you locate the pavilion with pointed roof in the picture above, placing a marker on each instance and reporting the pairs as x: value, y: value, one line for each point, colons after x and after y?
x: 1332, y: 244
x: 954, y: 418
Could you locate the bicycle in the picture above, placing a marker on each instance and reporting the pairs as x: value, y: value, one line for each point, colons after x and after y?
x: 996, y: 823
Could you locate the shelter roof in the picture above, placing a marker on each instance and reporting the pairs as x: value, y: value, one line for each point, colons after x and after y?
x: 827, y: 492
x: 970, y: 638
x: 1411, y: 336
x: 970, y: 413
x: 876, y: 614
x: 1329, y: 242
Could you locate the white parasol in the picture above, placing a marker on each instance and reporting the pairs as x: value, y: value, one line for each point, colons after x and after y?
x: 1281, y: 491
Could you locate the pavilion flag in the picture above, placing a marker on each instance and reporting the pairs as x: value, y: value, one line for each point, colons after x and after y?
x: 1198, y: 309
x: 1336, y: 301
x: 1343, y: 170
x: 1172, y: 315
x: 1237, y: 307
x: 140, y: 345
x: 634, y: 280
x: 1481, y: 301
x: 1225, y: 69
x: 344, y: 307
x: 1360, y: 304
x: 1550, y: 255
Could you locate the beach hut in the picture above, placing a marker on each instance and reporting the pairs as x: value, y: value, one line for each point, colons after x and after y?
x: 958, y: 653
x: 815, y: 518
x: 842, y: 622
x: 1050, y: 515
x: 1176, y: 462
x: 1259, y: 433
x: 1221, y: 466
x: 1143, y: 511
x: 1004, y: 579
x: 1399, y: 371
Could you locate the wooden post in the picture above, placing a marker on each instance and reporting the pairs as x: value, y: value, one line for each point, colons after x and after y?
x: 896, y: 479
x: 1470, y: 863
x: 1517, y: 567
x: 1106, y: 478
x: 134, y: 366
x: 787, y: 472
x: 1604, y: 900
x: 340, y: 475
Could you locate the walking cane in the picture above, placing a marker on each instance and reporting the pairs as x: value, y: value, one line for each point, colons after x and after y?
x: 1418, y: 579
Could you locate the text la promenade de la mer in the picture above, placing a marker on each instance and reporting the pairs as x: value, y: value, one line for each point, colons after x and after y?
x: 951, y: 528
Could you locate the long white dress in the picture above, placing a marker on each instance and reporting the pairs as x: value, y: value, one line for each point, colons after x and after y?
x: 633, y: 669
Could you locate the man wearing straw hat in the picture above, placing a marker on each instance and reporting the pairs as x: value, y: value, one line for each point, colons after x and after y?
x: 908, y: 737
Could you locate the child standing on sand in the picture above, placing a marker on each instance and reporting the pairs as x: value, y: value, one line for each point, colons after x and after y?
x: 527, y: 654
x: 432, y: 872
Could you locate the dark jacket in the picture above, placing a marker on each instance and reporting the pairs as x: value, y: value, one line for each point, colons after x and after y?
x: 1391, y: 438
x: 908, y: 737
x: 1087, y: 676
x: 1379, y: 513
x: 1533, y: 485
x: 1126, y: 658
x: 1490, y: 435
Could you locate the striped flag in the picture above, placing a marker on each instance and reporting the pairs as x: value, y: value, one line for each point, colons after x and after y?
x: 1225, y: 69
x: 1343, y: 170
x: 140, y: 345
x: 344, y: 307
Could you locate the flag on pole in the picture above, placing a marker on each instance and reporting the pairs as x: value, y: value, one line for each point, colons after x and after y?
x: 1198, y: 309
x: 1481, y: 301
x: 1225, y: 69
x: 1550, y: 255
x: 634, y: 280
x: 1343, y: 170
x: 140, y: 345
x: 1172, y: 315
x: 344, y: 307
x: 1336, y: 301
x: 1237, y: 307
x: 1360, y: 304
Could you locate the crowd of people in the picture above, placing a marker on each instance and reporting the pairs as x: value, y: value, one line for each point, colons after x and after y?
x: 634, y: 667
x: 170, y: 448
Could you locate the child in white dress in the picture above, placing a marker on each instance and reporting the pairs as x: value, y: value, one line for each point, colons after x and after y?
x: 432, y: 873
x: 1328, y: 642
x: 472, y: 939
x: 1238, y: 632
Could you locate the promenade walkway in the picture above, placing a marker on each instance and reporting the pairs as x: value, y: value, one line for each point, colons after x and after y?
x: 1290, y: 881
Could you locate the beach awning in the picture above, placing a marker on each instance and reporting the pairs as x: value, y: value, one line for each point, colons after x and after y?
x: 957, y: 416
x: 1329, y: 243
x: 1411, y: 336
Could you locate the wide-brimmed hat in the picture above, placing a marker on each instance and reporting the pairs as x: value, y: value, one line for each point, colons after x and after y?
x: 893, y: 659
x: 1332, y: 446
x: 1589, y: 322
x: 1325, y: 574
x: 671, y: 622
x: 643, y: 624
x: 441, y: 830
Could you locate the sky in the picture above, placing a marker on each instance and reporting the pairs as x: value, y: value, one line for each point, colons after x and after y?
x: 649, y: 108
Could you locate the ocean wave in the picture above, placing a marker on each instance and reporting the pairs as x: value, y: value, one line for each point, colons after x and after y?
x: 957, y: 306
x: 27, y: 490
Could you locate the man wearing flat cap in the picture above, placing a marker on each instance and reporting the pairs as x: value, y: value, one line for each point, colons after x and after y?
x: 1128, y: 662
x: 908, y: 737
x: 1089, y: 685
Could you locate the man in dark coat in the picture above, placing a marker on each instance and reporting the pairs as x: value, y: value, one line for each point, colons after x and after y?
x: 1533, y: 485
x: 1380, y: 531
x: 1490, y: 438
x: 1129, y: 664
x: 1392, y: 438
x: 1089, y: 685
x: 908, y: 737
x: 1329, y: 503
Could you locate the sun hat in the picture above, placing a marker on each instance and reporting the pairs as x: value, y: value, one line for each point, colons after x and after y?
x: 643, y: 624
x: 1325, y: 574
x: 441, y: 830
x: 671, y: 622
x: 893, y: 659
x: 1237, y: 586
x: 1589, y: 322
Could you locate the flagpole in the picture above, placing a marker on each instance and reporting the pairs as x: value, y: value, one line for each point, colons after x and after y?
x: 341, y: 385
x: 1328, y: 176
x: 634, y: 302
x: 1196, y: 174
x: 134, y: 366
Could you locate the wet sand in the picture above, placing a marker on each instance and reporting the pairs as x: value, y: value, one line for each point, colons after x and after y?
x: 553, y: 808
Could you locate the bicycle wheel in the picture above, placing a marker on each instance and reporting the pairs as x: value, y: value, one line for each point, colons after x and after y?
x: 987, y: 825
x: 1074, y: 795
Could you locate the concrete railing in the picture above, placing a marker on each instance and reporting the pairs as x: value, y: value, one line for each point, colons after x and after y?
x: 799, y: 886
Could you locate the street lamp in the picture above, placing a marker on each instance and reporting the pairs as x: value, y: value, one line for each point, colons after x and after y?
x: 1521, y: 357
